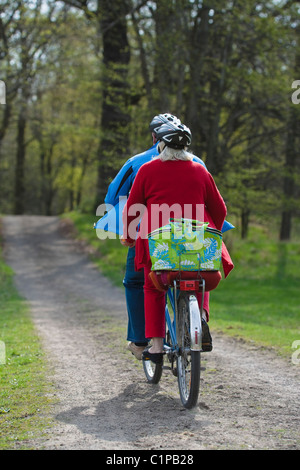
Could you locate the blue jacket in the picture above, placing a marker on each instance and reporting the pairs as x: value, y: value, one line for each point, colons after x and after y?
x: 119, y: 189
x: 122, y: 183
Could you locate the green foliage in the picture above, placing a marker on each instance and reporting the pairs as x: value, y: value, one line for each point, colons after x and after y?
x: 226, y: 70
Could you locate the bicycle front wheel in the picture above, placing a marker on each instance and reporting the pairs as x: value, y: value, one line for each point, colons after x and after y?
x: 152, y: 371
x: 188, y: 362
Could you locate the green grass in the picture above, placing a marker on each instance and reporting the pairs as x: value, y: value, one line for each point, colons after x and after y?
x: 260, y: 299
x: 24, y: 390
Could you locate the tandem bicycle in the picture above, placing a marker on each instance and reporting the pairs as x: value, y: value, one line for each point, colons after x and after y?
x: 183, y: 340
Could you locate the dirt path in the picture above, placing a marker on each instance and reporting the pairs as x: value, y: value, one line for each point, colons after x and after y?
x: 249, y: 397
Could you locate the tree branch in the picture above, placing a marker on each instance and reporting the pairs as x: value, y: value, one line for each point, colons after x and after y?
x: 82, y: 5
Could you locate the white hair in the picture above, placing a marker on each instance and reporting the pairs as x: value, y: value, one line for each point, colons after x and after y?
x: 168, y: 153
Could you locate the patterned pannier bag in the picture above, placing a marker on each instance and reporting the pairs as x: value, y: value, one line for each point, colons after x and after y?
x: 186, y: 245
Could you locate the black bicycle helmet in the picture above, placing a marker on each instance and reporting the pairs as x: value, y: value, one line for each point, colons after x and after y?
x: 161, y: 119
x: 174, y: 135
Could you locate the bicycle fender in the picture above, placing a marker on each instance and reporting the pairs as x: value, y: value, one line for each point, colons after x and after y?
x: 195, y: 324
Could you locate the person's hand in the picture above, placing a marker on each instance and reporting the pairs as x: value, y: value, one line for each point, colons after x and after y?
x: 128, y: 243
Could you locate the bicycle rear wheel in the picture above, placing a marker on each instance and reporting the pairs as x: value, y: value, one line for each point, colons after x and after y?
x: 188, y: 362
x: 152, y: 371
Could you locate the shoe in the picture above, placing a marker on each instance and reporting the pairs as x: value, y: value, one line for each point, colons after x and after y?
x: 206, y: 337
x: 137, y: 351
x: 157, y: 358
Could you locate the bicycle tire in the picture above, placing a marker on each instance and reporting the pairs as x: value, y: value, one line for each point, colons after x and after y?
x: 188, y: 362
x: 152, y: 371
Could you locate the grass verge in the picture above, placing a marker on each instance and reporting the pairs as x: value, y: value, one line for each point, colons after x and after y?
x: 259, y: 301
x: 25, y: 393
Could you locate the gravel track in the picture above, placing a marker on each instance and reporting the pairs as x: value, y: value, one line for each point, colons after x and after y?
x: 249, y: 397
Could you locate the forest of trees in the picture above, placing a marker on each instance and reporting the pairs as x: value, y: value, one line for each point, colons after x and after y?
x: 84, y: 78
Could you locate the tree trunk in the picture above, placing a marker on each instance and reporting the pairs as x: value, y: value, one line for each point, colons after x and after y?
x: 20, y: 163
x: 143, y: 59
x: 114, y: 139
x: 291, y: 157
x: 198, y: 46
x: 214, y: 161
x: 286, y: 225
x: 163, y: 77
x: 288, y: 180
x: 245, y: 215
x: 5, y: 121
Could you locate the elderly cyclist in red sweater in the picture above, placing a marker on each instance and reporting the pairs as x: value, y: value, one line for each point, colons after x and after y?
x: 171, y: 179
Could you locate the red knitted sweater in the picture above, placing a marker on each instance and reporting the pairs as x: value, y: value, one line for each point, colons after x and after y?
x: 171, y: 189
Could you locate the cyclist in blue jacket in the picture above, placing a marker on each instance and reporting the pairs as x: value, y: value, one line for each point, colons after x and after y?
x: 134, y: 280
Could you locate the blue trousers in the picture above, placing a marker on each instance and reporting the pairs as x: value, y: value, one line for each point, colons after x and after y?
x: 134, y: 292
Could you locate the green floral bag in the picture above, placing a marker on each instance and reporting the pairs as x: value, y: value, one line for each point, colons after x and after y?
x: 185, y: 244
